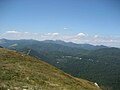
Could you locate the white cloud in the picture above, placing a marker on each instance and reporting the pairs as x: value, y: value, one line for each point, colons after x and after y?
x: 16, y: 35
x: 65, y: 28
x: 53, y: 34
x: 81, y: 34
x: 12, y: 32
x: 78, y: 38
x: 96, y: 36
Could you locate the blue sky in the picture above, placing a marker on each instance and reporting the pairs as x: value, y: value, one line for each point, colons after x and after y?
x: 66, y: 17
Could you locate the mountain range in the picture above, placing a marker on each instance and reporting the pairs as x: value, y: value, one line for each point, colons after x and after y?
x: 99, y: 64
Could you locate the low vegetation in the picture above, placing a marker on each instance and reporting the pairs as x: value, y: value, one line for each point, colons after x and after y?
x: 21, y: 72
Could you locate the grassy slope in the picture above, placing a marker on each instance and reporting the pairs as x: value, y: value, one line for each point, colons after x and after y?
x: 19, y: 71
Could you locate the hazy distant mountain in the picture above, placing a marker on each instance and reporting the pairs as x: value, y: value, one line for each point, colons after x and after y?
x: 71, y: 44
x: 42, y: 46
x: 7, y: 43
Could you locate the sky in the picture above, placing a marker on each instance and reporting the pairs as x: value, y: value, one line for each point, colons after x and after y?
x: 80, y: 21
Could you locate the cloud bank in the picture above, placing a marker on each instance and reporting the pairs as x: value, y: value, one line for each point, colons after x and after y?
x: 78, y: 38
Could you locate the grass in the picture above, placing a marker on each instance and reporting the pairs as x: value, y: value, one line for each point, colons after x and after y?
x: 19, y: 71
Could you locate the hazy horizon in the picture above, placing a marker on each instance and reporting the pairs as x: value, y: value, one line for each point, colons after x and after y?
x: 60, y: 40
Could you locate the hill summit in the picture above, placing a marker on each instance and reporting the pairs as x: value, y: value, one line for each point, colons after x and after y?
x: 22, y: 72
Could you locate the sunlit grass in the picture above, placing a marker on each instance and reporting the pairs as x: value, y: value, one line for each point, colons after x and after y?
x: 18, y: 71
